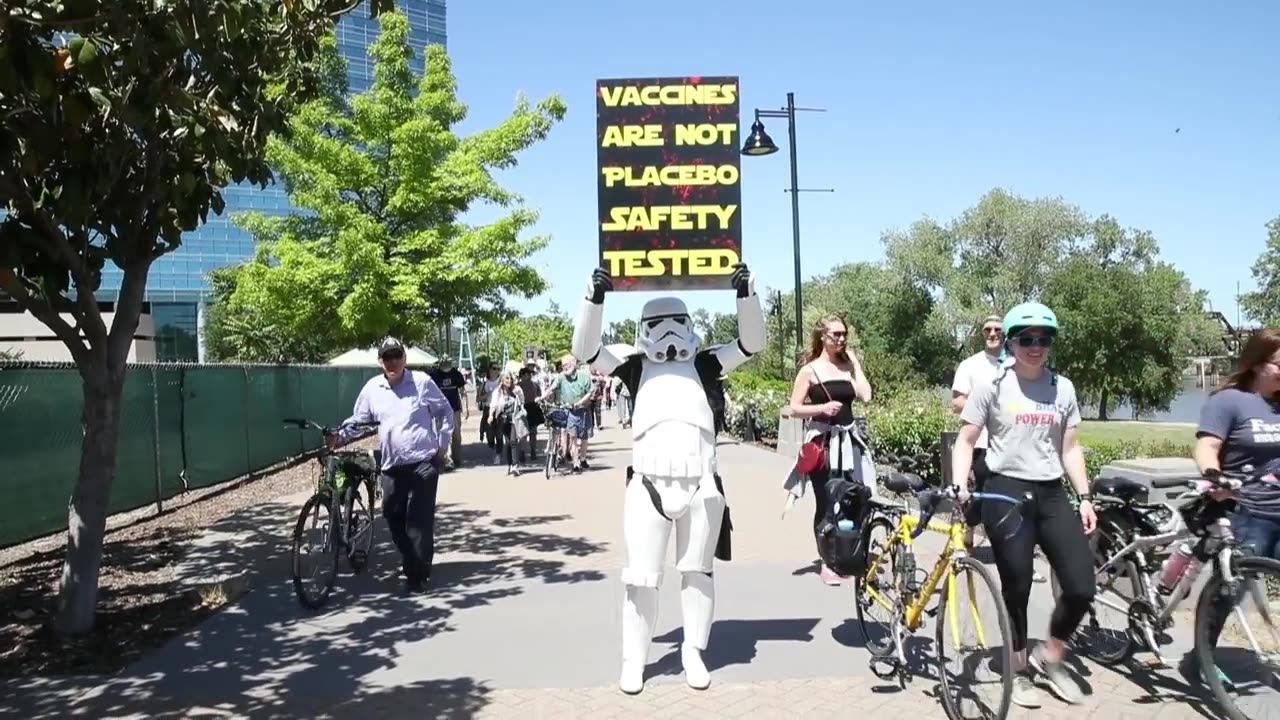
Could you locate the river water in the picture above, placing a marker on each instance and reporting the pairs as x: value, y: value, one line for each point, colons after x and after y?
x: 1184, y: 409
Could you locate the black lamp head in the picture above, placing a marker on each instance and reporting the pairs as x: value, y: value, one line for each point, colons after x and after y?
x: 759, y: 142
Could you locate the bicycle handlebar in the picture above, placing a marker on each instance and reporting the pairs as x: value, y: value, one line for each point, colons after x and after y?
x: 930, y: 498
x: 303, y: 424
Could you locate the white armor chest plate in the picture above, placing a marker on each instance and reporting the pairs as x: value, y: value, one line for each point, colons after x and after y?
x: 672, y: 424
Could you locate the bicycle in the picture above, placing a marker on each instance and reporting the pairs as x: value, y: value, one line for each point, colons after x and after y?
x: 337, y: 498
x: 1130, y: 531
x: 907, y: 598
x: 557, y: 422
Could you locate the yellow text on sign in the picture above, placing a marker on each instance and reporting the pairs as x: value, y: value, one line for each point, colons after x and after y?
x: 632, y: 136
x: 655, y: 263
x: 676, y: 217
x: 630, y: 95
x: 705, y: 133
x: 670, y: 175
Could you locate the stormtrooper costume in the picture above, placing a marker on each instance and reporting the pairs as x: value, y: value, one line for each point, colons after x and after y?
x: 672, y: 479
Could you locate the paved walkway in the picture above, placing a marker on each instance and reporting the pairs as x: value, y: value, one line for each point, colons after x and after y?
x: 523, y: 622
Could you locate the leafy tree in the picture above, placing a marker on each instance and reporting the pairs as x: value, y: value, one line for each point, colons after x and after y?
x: 621, y: 332
x: 1263, y: 304
x: 552, y: 331
x: 1128, y: 323
x: 889, y: 320
x: 123, y: 119
x: 996, y: 254
x: 715, y: 329
x: 234, y: 332
x: 383, y: 181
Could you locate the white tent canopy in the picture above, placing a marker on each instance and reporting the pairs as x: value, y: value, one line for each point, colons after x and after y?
x: 368, y: 357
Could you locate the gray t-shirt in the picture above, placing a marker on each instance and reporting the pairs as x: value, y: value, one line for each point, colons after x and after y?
x: 1025, y: 421
x: 1249, y: 427
x: 977, y: 369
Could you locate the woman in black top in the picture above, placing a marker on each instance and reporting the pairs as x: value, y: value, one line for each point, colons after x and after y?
x: 823, y: 394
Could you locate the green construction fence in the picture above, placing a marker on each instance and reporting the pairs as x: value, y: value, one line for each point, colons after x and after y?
x: 182, y: 427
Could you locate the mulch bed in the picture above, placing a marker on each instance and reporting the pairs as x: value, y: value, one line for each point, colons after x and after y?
x: 140, y: 605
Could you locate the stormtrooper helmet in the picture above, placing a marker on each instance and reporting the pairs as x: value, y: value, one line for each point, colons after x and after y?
x: 666, y: 331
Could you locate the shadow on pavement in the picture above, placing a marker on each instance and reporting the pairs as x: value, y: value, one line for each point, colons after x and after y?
x: 266, y: 656
x: 732, y: 642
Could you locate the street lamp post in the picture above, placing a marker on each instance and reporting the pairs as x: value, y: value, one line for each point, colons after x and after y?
x: 759, y: 143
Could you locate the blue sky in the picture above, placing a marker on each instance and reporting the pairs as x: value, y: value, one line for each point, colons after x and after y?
x: 929, y: 106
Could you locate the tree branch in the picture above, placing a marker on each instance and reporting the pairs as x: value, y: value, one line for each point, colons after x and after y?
x: 26, y: 206
x: 43, y: 312
x: 128, y: 308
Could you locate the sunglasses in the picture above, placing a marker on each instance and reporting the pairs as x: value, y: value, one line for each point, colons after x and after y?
x: 838, y: 335
x: 393, y: 355
x: 992, y: 331
x: 1043, y: 341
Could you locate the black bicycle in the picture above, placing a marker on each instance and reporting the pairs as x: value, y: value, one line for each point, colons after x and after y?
x: 343, y: 517
x: 1147, y: 560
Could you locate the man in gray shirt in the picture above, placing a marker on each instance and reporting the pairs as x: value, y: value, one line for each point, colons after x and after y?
x: 415, y: 424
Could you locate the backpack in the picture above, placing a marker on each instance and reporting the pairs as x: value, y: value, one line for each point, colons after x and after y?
x: 842, y: 533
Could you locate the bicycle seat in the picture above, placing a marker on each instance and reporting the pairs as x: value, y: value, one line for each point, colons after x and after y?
x: 904, y: 483
x: 1129, y: 491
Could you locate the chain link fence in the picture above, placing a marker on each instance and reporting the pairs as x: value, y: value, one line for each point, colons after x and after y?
x: 181, y: 427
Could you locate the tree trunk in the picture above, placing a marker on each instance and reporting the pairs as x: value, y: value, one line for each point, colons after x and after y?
x: 1102, y: 405
x: 87, y: 511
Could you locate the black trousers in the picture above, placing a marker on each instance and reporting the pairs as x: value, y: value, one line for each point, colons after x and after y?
x: 409, y: 506
x: 1051, y: 522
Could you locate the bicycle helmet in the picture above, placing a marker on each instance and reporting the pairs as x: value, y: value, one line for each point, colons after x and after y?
x: 1029, y: 315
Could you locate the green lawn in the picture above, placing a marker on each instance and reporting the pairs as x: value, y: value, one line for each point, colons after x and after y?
x: 1126, y: 430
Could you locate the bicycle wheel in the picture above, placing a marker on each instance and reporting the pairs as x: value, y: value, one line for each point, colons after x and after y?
x: 329, y: 547
x: 359, y: 516
x: 877, y: 610
x: 970, y: 591
x: 553, y: 451
x: 1246, y: 672
x: 1114, y: 643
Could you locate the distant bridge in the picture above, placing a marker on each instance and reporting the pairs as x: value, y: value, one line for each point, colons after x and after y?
x: 1233, y: 338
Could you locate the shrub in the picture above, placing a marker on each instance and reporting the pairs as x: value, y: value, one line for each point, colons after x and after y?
x: 754, y: 404
x: 909, y: 423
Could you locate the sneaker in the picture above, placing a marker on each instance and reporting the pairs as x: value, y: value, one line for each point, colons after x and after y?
x: 1057, y: 676
x: 1025, y: 693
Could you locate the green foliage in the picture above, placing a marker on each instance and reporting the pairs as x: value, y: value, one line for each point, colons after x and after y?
x: 123, y: 120
x: 909, y: 424
x: 887, y: 317
x: 717, y: 329
x: 1099, y: 454
x: 1127, y: 327
x: 552, y: 331
x: 1263, y: 304
x: 621, y: 332
x: 383, y: 181
x: 754, y: 404
x: 996, y: 254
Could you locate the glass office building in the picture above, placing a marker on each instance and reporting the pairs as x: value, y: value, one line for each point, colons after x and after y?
x: 178, y: 281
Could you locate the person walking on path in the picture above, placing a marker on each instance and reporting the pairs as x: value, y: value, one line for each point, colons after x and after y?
x: 415, y: 423
x: 1033, y: 419
x: 980, y: 368
x: 572, y: 388
x: 453, y: 385
x: 823, y: 394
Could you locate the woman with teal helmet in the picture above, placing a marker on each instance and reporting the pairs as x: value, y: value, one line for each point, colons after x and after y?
x: 1032, y: 419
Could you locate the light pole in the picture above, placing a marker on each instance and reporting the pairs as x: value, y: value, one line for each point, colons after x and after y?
x: 759, y: 143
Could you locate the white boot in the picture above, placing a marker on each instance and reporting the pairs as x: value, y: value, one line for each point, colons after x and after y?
x: 698, y: 604
x: 639, y: 613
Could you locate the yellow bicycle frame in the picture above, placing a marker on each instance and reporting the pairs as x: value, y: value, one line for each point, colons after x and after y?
x: 914, y: 610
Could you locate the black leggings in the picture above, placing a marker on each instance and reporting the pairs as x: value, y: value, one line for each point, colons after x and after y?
x: 500, y: 434
x: 1049, y: 521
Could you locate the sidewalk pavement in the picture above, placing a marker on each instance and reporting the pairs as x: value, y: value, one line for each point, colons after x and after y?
x: 523, y: 621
